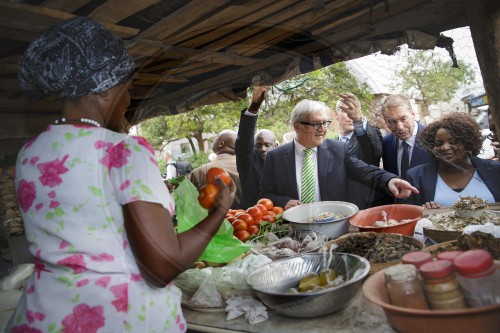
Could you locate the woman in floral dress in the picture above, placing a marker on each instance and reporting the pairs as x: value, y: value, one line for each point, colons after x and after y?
x: 96, y: 211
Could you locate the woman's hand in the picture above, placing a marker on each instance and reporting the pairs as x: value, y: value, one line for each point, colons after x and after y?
x: 226, y: 195
x: 431, y: 205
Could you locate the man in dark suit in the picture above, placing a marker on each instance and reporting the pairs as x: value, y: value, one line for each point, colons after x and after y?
x: 365, y: 141
x: 251, y: 150
x: 401, y: 146
x: 287, y: 168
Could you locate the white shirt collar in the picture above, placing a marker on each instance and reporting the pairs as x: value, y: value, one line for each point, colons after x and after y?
x: 299, y: 149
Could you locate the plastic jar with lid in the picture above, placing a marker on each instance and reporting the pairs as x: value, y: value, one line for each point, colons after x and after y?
x: 478, y: 277
x: 449, y: 255
x: 404, y: 287
x: 417, y: 258
x: 441, y: 287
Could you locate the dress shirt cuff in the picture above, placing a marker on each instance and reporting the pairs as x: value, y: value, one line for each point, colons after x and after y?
x: 360, y: 127
x: 248, y: 113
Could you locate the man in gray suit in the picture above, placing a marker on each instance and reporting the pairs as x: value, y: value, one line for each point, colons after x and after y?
x: 332, y: 164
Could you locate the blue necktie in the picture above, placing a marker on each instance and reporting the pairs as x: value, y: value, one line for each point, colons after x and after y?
x: 405, y: 160
x: 344, y: 139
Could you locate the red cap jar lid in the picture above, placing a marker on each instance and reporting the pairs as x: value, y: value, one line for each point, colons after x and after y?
x: 417, y: 258
x: 474, y: 263
x: 436, y: 269
x: 449, y: 255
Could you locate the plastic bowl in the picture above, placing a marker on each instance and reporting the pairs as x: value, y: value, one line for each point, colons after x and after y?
x: 365, y: 219
x: 331, y: 228
x: 271, y: 281
x: 404, y: 320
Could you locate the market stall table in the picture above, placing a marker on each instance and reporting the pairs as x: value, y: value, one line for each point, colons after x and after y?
x: 361, y: 316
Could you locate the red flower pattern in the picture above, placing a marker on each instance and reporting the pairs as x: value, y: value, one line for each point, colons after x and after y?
x: 51, y: 171
x: 39, y: 266
x: 116, y: 156
x: 26, y: 194
x: 75, y: 262
x: 103, y: 282
x: 25, y: 329
x: 125, y: 184
x: 84, y: 319
x: 143, y: 142
x: 102, y: 257
x: 121, y: 297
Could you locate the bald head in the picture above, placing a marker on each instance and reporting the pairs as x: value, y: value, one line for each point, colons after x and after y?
x: 265, y: 141
x: 224, y: 142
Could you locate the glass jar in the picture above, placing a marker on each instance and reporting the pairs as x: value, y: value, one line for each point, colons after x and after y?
x: 404, y: 287
x: 478, y: 277
x: 417, y: 258
x: 441, y: 287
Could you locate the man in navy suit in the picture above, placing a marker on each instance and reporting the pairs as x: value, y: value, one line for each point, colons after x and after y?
x: 365, y: 141
x: 333, y: 164
x: 400, y: 119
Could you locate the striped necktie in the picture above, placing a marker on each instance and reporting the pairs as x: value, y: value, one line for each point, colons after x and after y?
x: 307, y: 192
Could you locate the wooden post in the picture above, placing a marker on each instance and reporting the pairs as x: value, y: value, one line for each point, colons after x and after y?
x: 484, y: 22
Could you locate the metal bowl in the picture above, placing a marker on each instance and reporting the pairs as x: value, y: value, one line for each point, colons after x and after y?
x: 331, y: 228
x: 270, y: 283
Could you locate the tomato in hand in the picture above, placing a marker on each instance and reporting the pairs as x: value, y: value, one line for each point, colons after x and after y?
x: 266, y: 202
x: 207, y: 195
x: 242, y: 235
x: 223, y: 175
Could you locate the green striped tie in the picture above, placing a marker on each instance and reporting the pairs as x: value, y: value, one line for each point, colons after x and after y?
x: 307, y: 194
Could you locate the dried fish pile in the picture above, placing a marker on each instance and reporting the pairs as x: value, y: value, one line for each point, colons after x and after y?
x: 287, y: 245
x: 480, y: 240
x: 470, y: 203
x: 375, y: 247
x: 452, y: 222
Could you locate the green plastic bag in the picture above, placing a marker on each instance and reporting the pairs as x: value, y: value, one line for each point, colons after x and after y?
x: 223, y: 247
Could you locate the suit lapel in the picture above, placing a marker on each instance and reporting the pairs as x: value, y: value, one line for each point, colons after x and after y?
x: 289, y: 165
x: 323, y: 161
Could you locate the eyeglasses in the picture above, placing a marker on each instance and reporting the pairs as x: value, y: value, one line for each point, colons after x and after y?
x: 317, y: 126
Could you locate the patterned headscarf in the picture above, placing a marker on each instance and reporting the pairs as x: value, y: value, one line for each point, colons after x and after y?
x: 74, y: 58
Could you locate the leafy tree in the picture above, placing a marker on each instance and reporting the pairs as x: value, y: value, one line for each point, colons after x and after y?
x: 323, y: 85
x: 206, y: 119
x: 431, y: 78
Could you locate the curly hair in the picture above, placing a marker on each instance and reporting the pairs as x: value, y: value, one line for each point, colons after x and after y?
x: 462, y: 127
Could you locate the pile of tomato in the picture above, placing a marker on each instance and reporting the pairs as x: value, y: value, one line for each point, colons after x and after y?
x: 247, y: 222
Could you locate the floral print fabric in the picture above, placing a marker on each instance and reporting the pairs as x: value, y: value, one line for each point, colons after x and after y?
x: 71, y: 183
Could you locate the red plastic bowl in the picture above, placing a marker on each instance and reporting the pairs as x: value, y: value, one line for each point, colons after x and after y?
x: 485, y: 319
x: 364, y: 219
